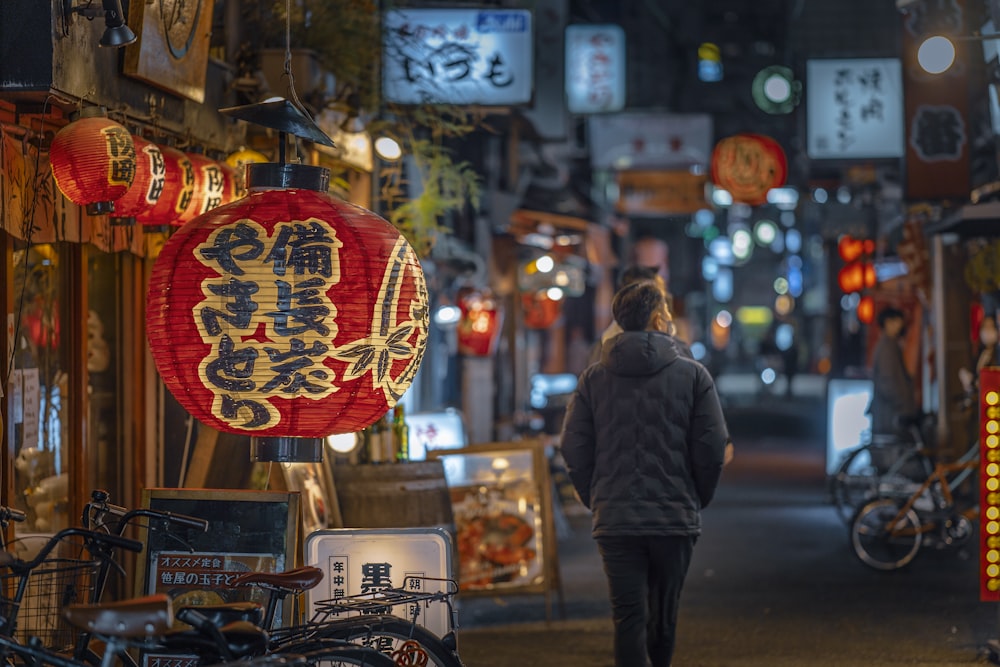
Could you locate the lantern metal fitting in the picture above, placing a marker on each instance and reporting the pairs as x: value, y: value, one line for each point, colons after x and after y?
x: 116, y: 33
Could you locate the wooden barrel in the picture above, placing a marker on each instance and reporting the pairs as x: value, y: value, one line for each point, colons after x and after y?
x: 394, y: 495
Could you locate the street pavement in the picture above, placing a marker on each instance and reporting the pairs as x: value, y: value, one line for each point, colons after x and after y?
x: 773, y: 581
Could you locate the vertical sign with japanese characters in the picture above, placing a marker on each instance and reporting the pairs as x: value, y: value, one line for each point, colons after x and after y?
x: 457, y: 56
x: 937, y: 133
x: 361, y: 562
x: 854, y: 108
x: 595, y: 68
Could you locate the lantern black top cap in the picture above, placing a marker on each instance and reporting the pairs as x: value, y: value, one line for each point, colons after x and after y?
x: 280, y: 114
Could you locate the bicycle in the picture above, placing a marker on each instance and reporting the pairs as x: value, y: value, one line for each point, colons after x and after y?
x: 58, y: 575
x: 884, y: 466
x: 888, y: 532
x: 407, y: 642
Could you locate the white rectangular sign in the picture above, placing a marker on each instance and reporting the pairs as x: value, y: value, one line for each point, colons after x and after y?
x: 457, y: 56
x: 854, y: 108
x: 595, y: 68
x: 649, y: 140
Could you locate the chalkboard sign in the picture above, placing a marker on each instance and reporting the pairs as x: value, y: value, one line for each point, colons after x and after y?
x: 248, y: 531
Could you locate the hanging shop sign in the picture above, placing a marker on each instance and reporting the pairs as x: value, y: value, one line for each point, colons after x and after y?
x: 649, y: 140
x: 748, y: 165
x: 657, y: 192
x: 595, y: 68
x: 854, y: 108
x: 288, y: 313
x: 457, y: 56
x: 989, y: 487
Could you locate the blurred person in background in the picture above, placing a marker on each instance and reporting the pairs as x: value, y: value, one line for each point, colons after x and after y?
x: 893, y: 393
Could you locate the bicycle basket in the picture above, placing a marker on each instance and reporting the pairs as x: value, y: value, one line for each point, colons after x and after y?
x: 53, y: 584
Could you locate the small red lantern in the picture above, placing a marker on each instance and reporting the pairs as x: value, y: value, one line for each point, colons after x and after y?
x: 93, y: 161
x: 748, y: 165
x: 866, y: 309
x: 856, y: 276
x: 209, y: 187
x: 540, y: 312
x: 287, y: 315
x: 850, y: 248
x: 147, y: 185
x: 178, y: 189
x: 479, y: 326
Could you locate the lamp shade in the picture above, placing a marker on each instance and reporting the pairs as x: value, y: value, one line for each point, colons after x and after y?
x: 93, y: 162
x: 287, y: 313
x: 748, y: 165
x: 147, y: 184
x: 540, y: 312
x: 479, y: 326
x: 178, y: 189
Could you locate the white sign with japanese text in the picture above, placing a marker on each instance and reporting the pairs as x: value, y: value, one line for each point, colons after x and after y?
x: 854, y: 108
x: 595, y: 68
x: 360, y: 564
x: 457, y: 56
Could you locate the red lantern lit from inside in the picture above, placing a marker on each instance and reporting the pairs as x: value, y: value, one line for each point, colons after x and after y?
x: 866, y: 309
x: 288, y: 315
x: 178, y: 189
x: 540, y: 312
x: 147, y: 185
x: 209, y: 187
x: 93, y: 161
x: 747, y: 166
x: 479, y: 326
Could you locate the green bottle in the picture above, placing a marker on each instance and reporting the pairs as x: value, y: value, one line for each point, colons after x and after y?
x: 400, y: 435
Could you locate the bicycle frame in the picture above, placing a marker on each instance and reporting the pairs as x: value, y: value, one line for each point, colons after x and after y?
x: 961, y: 468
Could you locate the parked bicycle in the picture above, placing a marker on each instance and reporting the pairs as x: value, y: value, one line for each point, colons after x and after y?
x: 888, y: 532
x: 885, y: 466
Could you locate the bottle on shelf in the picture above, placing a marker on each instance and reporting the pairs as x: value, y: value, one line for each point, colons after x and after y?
x: 376, y: 449
x: 400, y: 435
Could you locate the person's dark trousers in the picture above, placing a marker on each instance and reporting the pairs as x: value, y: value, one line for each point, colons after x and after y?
x: 645, y: 577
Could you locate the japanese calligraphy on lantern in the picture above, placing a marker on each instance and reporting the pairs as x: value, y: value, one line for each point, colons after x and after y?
x: 457, y: 56
x: 595, y: 68
x: 854, y: 108
x: 365, y: 562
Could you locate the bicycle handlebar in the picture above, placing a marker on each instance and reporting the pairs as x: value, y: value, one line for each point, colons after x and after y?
x: 89, y: 536
x: 169, y: 517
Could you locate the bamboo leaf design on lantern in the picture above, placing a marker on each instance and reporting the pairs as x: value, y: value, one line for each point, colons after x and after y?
x: 389, y: 339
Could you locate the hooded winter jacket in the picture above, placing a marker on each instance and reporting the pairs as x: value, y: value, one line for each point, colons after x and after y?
x: 644, y: 438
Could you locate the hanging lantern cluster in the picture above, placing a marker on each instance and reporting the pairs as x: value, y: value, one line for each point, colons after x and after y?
x: 288, y: 314
x: 93, y: 161
x: 747, y: 166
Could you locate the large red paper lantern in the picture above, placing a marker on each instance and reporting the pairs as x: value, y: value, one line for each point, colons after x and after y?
x: 178, y: 189
x: 748, y: 165
x: 93, y: 161
x: 147, y: 186
x: 287, y: 314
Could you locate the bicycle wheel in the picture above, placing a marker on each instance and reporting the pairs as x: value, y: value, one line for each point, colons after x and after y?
x: 854, y: 483
x: 407, y: 643
x: 875, y: 545
x: 354, y: 656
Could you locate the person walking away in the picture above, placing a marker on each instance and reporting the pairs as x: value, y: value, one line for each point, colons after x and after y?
x: 893, y: 395
x: 644, y: 441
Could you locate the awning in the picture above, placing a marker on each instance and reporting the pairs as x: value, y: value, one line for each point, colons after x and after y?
x: 971, y: 220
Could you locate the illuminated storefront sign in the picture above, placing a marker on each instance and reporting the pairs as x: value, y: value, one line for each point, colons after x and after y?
x: 854, y: 108
x: 457, y: 56
x: 989, y: 489
x: 595, y: 68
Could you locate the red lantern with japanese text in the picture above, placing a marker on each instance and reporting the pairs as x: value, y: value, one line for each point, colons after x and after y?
x: 748, y: 165
x: 147, y: 185
x: 178, y: 189
x: 209, y: 187
x: 93, y: 161
x: 540, y: 312
x: 287, y: 314
x: 479, y: 325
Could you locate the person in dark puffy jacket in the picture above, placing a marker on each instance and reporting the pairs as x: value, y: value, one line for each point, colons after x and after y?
x: 644, y: 441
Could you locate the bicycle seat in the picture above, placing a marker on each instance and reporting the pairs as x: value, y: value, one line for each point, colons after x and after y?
x: 141, y: 617
x: 299, y: 579
x: 242, y: 639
